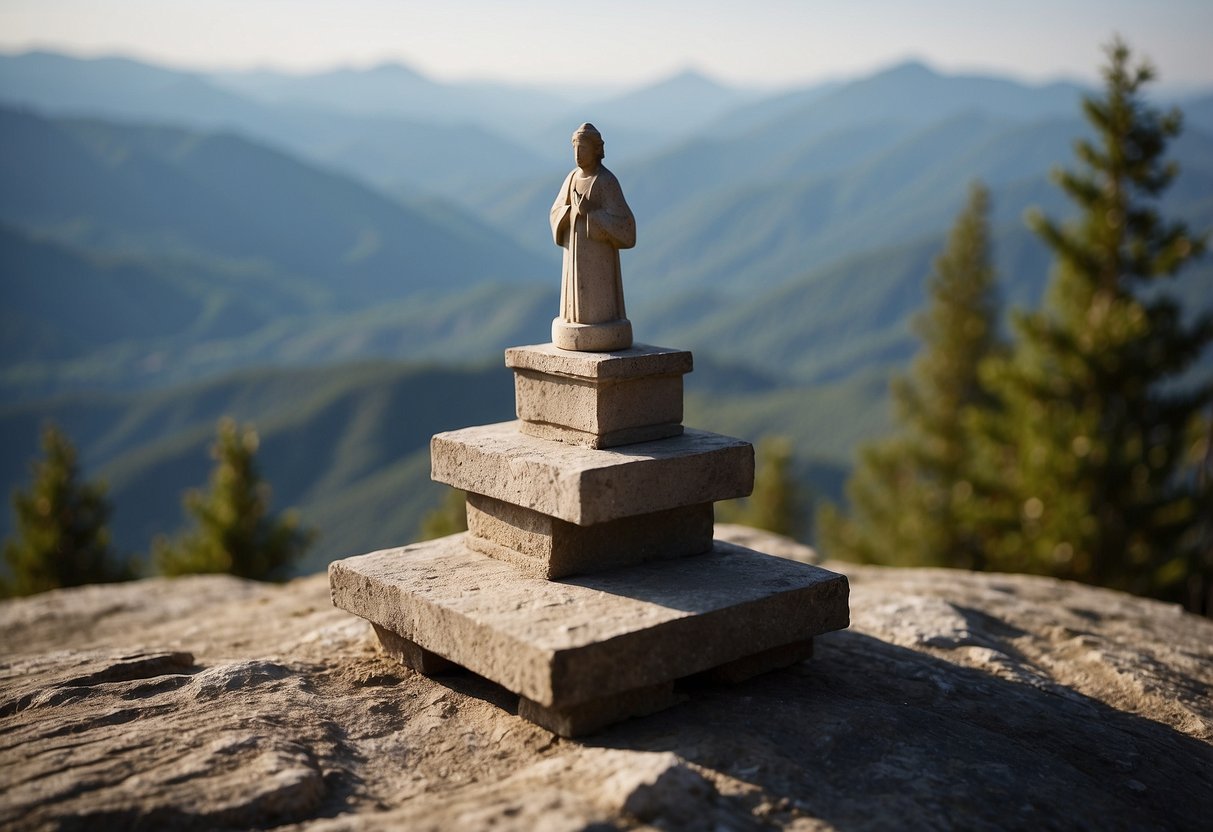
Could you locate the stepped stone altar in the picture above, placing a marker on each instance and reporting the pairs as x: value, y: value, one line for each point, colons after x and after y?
x: 588, y: 582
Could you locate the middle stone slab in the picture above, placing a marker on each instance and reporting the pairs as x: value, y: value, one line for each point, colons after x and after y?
x: 585, y: 486
x: 547, y: 547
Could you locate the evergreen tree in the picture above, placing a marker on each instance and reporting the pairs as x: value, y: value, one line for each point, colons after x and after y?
x: 234, y: 531
x: 778, y: 503
x: 450, y: 517
x: 61, y: 536
x: 1085, y: 461
x: 911, y: 494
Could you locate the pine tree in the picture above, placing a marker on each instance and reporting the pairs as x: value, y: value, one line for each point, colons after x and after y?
x: 1086, y: 459
x: 450, y: 517
x: 911, y: 494
x: 778, y: 503
x: 234, y: 531
x: 62, y: 538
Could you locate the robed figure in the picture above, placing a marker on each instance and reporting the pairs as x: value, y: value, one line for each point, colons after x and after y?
x: 592, y: 221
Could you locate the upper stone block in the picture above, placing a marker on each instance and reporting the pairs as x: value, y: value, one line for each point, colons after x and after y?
x: 585, y: 486
x: 638, y: 360
x: 599, y: 400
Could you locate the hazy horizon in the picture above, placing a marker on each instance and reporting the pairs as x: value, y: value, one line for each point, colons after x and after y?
x: 768, y: 43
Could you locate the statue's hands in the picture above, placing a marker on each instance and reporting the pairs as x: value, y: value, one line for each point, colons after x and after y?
x: 581, y: 205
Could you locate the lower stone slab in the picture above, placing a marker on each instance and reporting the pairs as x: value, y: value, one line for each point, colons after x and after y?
x: 564, y: 643
x: 548, y: 547
x: 411, y: 654
x: 748, y: 667
x: 587, y: 717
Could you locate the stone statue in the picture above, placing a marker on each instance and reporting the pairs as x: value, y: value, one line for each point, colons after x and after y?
x: 591, y: 220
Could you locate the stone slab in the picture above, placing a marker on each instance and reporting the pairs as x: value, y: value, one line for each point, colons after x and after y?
x: 547, y: 547
x: 573, y: 721
x: 639, y: 360
x: 610, y: 439
x: 412, y: 655
x: 750, y: 666
x: 587, y: 717
x: 595, y: 412
x: 563, y: 643
x: 587, y: 486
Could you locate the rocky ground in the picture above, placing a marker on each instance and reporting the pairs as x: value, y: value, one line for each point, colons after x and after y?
x: 955, y: 700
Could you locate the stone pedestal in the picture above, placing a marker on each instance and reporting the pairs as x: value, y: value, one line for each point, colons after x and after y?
x: 599, y: 400
x: 584, y: 646
x: 588, y: 582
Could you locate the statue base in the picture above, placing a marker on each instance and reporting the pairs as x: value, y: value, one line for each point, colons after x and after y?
x: 603, y: 337
x: 586, y: 652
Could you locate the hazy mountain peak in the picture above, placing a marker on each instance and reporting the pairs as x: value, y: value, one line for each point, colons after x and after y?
x: 41, y: 62
x: 909, y: 68
x: 684, y: 82
x: 669, y: 106
x: 689, y: 76
x: 383, y: 71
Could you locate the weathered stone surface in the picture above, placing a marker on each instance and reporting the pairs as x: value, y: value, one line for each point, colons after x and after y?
x: 631, y: 790
x: 954, y: 701
x: 547, y: 547
x: 585, y: 486
x: 565, y: 643
x: 213, y: 768
x: 638, y: 361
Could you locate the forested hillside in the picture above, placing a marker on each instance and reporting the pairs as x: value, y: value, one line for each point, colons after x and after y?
x: 348, y: 445
x: 292, y: 250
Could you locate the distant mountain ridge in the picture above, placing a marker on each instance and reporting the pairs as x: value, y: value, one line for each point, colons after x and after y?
x: 419, y: 133
x: 188, y: 250
x: 134, y: 253
x: 167, y: 189
x: 392, y: 88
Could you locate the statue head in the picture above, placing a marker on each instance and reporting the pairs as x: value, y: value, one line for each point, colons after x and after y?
x: 587, y: 136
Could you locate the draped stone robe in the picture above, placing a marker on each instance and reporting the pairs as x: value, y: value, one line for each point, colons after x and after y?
x: 592, y: 229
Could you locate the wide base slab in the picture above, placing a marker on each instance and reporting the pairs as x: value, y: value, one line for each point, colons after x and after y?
x: 587, y: 717
x: 563, y: 643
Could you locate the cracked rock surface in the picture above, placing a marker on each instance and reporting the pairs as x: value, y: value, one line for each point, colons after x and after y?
x: 956, y: 700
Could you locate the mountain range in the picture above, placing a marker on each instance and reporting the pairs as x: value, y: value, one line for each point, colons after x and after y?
x: 175, y: 246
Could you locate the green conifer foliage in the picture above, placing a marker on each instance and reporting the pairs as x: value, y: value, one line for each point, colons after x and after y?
x: 234, y: 531
x: 1085, y: 463
x: 450, y: 517
x: 912, y: 494
x: 61, y: 537
x: 778, y: 502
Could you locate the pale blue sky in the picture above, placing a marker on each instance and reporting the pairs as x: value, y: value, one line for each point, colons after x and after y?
x: 772, y: 42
